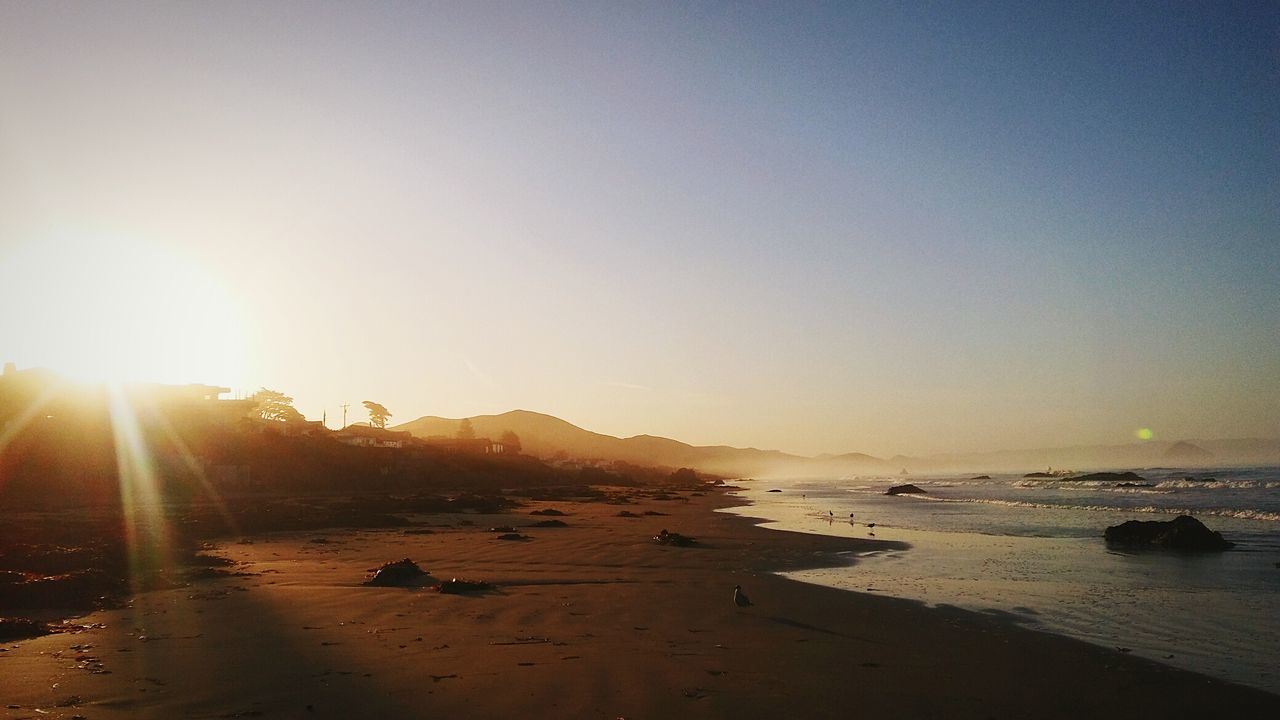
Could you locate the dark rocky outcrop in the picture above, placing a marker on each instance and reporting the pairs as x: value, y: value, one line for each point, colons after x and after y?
x: 21, y: 629
x: 981, y: 477
x: 462, y: 587
x: 401, y: 573
x: 907, y: 489
x: 1124, y: 477
x: 669, y: 538
x: 550, y: 524
x: 80, y: 589
x: 1038, y: 475
x: 1183, y: 533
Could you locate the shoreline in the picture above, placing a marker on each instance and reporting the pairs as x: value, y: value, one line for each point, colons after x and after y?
x: 588, y: 620
x: 1050, y: 570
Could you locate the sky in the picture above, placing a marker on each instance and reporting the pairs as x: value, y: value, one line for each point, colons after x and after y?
x: 815, y: 227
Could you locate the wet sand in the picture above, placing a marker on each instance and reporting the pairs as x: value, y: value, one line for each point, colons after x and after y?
x: 593, y: 620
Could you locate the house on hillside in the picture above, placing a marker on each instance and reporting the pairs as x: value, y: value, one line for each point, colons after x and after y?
x: 366, y: 436
x: 198, y: 403
x: 299, y: 428
x: 474, y: 446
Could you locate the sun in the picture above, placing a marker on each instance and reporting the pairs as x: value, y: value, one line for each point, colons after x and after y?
x: 117, y: 312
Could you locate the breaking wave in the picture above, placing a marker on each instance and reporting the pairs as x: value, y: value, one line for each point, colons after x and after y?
x: 1242, y: 513
x: 1178, y: 484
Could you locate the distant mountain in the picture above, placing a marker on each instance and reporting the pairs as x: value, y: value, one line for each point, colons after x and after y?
x: 1183, y: 451
x: 546, y: 436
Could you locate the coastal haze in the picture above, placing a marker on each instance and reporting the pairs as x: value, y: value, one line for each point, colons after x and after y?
x: 567, y: 359
x: 551, y: 437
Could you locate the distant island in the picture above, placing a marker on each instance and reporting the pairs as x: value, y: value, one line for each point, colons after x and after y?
x: 1185, y: 452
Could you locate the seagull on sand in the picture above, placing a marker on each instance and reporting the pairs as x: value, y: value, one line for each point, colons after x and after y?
x: 740, y: 598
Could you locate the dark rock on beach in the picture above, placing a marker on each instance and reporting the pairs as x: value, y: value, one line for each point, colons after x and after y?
x: 401, y: 573
x: 461, y: 587
x: 20, y: 629
x: 79, y: 589
x: 550, y: 524
x: 907, y: 489
x: 669, y: 538
x: 1183, y: 533
x: 980, y: 477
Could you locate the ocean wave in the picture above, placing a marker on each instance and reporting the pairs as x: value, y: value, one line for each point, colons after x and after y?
x: 1172, y: 484
x: 1063, y: 484
x: 1243, y: 514
x: 1219, y: 484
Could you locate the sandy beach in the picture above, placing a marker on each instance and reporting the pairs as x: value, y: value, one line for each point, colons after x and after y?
x: 590, y: 620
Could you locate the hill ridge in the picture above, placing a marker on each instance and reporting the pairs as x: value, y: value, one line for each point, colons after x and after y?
x: 549, y: 436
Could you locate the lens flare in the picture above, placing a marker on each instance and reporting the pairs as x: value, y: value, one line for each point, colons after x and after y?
x: 145, y: 530
x: 1144, y: 434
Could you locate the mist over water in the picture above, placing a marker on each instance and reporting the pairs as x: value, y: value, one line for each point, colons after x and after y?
x: 1032, y: 549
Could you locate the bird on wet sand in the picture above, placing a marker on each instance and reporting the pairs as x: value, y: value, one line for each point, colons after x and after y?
x: 740, y: 598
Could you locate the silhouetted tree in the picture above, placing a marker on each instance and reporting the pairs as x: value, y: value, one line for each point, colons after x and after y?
x: 465, y: 431
x: 683, y: 476
x: 510, y: 441
x: 378, y: 414
x: 275, y: 405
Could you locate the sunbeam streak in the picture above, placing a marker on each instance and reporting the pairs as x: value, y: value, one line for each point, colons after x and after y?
x: 196, y: 468
x: 145, y: 529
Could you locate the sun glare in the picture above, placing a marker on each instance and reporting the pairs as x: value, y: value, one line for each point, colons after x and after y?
x: 118, y: 312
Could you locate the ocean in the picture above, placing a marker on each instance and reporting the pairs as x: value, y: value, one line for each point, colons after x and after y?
x: 1031, y: 550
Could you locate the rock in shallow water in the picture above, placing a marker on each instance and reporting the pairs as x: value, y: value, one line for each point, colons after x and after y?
x: 1181, y: 533
x: 904, y: 490
x: 1122, y: 477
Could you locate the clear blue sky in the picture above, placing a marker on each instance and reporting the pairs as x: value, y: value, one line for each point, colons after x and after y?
x: 815, y: 227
